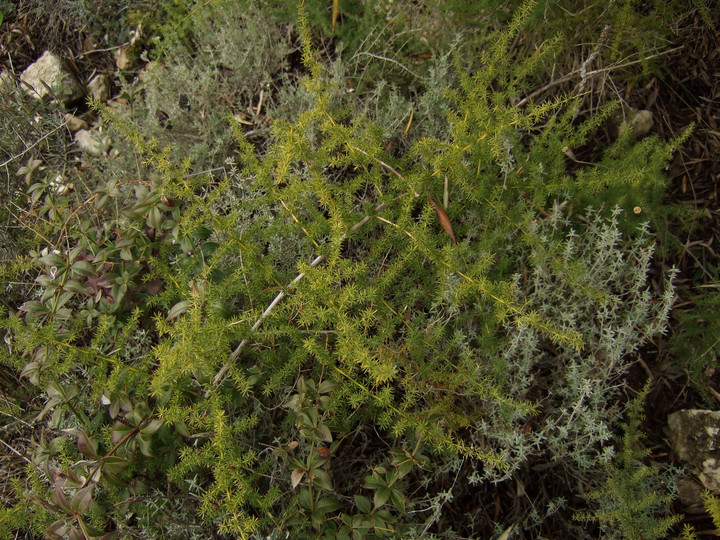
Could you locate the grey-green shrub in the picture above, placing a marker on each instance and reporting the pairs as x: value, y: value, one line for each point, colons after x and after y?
x: 595, y: 283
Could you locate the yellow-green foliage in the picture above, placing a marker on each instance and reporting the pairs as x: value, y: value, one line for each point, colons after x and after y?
x: 712, y: 506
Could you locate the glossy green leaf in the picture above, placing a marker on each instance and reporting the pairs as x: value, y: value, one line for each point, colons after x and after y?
x: 382, y: 494
x: 362, y: 503
x: 304, y: 498
x: 326, y: 505
x: 145, y: 445
x: 53, y: 259
x: 323, y: 431
x: 74, y: 286
x: 322, y: 478
x: 151, y: 427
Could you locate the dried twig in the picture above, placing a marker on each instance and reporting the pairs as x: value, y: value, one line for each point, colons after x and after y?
x: 584, y: 68
x: 572, y: 74
x: 41, y: 139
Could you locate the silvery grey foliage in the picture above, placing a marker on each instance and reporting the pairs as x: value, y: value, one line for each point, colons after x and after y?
x: 594, y: 283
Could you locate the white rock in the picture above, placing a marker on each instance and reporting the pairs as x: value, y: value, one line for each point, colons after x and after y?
x: 74, y: 123
x: 92, y: 142
x: 121, y: 57
x: 60, y: 185
x: 50, y: 71
x: 693, y: 437
x: 640, y: 123
x: 99, y: 87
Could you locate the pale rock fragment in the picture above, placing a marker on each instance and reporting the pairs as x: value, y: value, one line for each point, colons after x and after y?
x: 92, y: 142
x: 690, y: 495
x: 6, y: 81
x: 74, y: 123
x: 639, y: 122
x: 49, y: 76
x: 99, y: 87
x: 693, y: 437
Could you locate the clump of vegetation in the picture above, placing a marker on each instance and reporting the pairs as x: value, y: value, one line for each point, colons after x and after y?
x: 359, y: 285
x: 697, y: 346
x: 634, y: 495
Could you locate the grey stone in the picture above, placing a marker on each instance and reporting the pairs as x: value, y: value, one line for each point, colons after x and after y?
x: 690, y: 494
x: 92, y: 142
x: 121, y: 57
x: 628, y: 118
x: 50, y: 76
x: 640, y: 122
x: 99, y: 87
x: 74, y: 123
x: 693, y: 435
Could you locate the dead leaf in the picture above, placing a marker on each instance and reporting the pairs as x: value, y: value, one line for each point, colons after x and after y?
x: 443, y: 219
x: 296, y: 476
x: 335, y: 13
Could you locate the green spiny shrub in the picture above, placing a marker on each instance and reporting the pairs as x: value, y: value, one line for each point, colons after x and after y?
x: 712, y: 506
x: 634, y: 495
x: 697, y: 346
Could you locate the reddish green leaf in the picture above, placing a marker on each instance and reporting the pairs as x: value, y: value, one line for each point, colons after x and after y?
x: 80, y: 502
x: 57, y: 530
x: 61, y: 500
x: 86, y: 446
